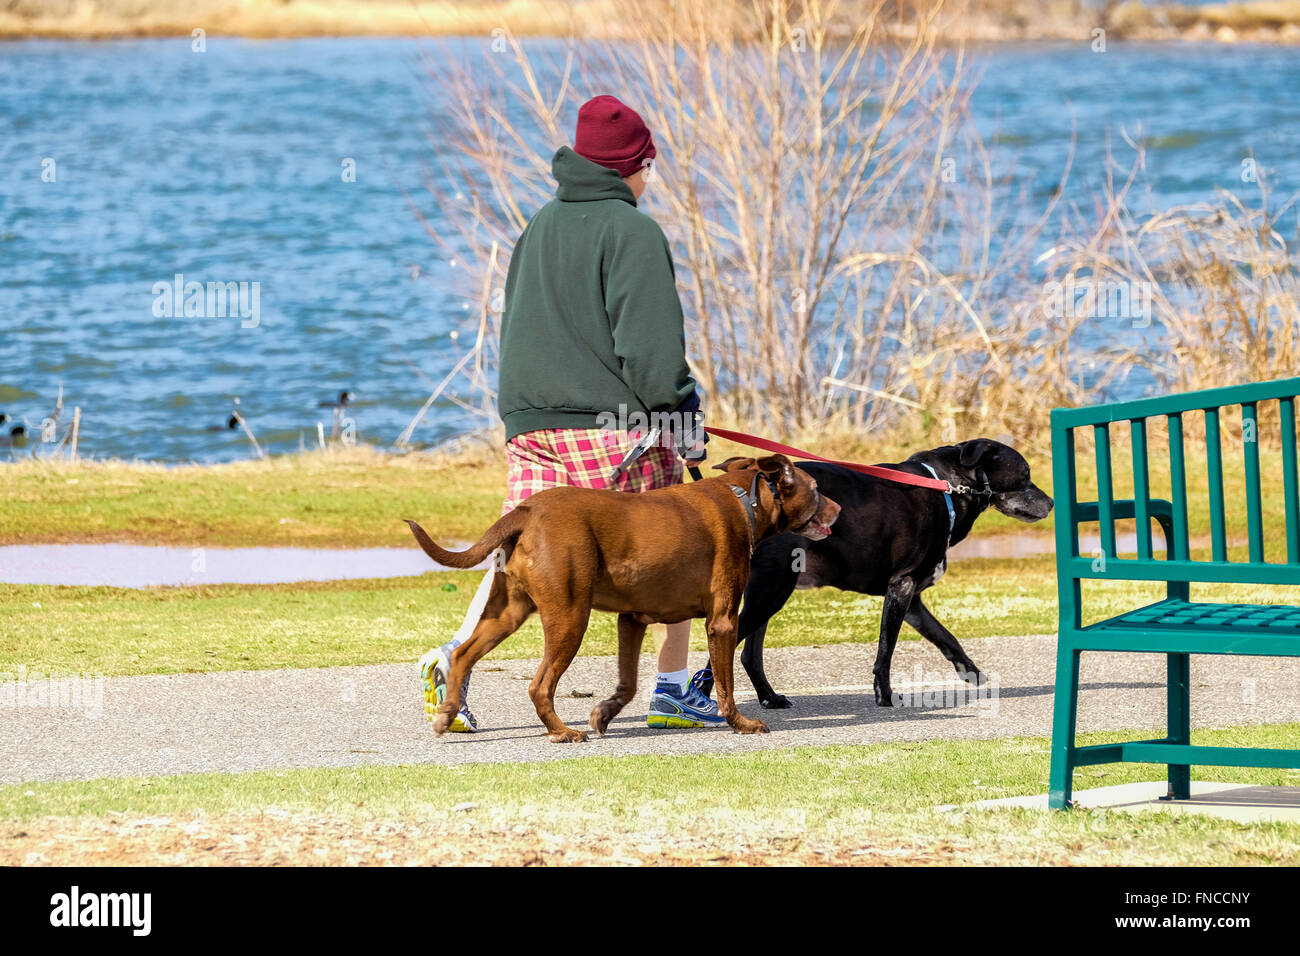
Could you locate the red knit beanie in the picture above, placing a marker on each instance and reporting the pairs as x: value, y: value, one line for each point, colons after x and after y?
x: 613, y: 135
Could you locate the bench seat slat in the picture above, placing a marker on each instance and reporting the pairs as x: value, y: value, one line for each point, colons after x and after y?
x: 1177, y: 626
x: 1214, y: 617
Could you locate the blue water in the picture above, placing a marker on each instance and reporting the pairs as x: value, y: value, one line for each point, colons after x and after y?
x: 226, y: 166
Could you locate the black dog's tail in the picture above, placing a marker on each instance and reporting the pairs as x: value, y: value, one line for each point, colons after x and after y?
x: 501, y: 534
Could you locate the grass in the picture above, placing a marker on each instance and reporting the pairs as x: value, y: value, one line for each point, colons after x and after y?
x: 881, y: 794
x: 356, y: 498
x: 294, y: 18
x: 120, y: 632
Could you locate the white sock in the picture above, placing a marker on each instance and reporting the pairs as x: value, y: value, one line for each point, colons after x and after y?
x: 476, y: 607
x: 679, y: 678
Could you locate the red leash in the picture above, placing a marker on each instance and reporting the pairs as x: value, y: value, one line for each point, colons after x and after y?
x: 889, y: 474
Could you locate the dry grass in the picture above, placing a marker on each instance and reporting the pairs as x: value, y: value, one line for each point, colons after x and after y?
x: 297, y: 18
x: 284, y: 839
x: 1262, y: 21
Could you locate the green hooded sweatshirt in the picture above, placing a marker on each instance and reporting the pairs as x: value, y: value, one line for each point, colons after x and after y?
x: 592, y: 319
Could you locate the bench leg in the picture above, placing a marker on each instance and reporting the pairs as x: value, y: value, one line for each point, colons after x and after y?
x: 1179, y: 712
x: 1065, y: 710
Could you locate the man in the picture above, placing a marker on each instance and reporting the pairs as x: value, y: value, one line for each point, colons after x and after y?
x: 593, y: 328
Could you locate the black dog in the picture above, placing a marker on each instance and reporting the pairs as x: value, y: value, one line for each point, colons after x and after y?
x: 890, y: 540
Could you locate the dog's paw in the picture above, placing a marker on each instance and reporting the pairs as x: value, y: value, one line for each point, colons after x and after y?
x: 568, y: 736
x: 602, y: 714
x: 743, y: 725
x: 776, y: 702
x: 885, y: 696
x: 972, y: 675
x: 440, y: 724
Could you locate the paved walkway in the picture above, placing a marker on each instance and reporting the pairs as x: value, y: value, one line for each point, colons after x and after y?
x: 347, y: 716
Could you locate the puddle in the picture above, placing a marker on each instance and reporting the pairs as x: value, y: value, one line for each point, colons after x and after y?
x: 1029, y: 545
x: 1003, y: 546
x: 141, y: 566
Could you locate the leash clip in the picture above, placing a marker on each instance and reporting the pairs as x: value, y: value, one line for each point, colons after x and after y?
x: 985, y: 492
x: 635, y: 452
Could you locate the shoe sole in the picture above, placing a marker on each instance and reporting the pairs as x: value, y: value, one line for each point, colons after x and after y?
x: 673, y: 721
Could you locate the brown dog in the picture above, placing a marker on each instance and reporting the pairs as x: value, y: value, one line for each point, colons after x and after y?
x: 655, y: 557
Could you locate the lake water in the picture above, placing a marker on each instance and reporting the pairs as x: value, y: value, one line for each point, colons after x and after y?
x: 226, y: 166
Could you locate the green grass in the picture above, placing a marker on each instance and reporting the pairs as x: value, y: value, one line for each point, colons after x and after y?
x: 356, y: 498
x: 815, y: 792
x: 114, y: 631
x: 118, y: 631
x: 319, y: 499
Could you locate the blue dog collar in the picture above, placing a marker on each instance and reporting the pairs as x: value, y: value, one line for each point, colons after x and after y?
x: 947, y: 499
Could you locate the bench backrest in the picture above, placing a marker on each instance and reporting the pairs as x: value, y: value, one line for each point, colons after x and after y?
x: 1178, y: 568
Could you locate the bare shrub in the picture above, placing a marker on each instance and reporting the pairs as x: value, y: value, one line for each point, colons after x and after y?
x: 848, y: 258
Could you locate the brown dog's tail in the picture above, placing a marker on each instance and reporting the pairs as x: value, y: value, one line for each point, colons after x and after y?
x: 501, y: 534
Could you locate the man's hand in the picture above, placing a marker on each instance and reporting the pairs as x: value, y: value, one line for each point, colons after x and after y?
x: 693, y: 455
x: 692, y: 439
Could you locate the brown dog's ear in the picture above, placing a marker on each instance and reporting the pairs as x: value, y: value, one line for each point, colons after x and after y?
x: 733, y: 463
x: 778, y: 465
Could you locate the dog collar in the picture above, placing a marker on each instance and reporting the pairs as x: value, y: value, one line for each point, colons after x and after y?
x: 947, y: 499
x: 750, y: 500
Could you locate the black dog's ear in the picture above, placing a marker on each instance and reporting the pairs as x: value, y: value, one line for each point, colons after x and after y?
x: 734, y: 462
x: 778, y: 465
x: 973, y: 451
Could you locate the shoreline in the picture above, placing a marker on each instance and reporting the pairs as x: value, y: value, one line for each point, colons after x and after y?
x: 996, y: 22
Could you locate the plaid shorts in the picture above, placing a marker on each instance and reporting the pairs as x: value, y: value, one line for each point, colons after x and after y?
x: 583, y: 457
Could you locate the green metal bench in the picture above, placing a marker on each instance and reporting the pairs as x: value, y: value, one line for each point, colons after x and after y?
x: 1175, y: 626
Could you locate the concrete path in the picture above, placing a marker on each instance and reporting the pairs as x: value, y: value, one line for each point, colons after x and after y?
x: 348, y: 716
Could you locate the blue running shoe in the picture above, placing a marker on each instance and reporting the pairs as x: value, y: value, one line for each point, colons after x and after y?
x: 672, y: 707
